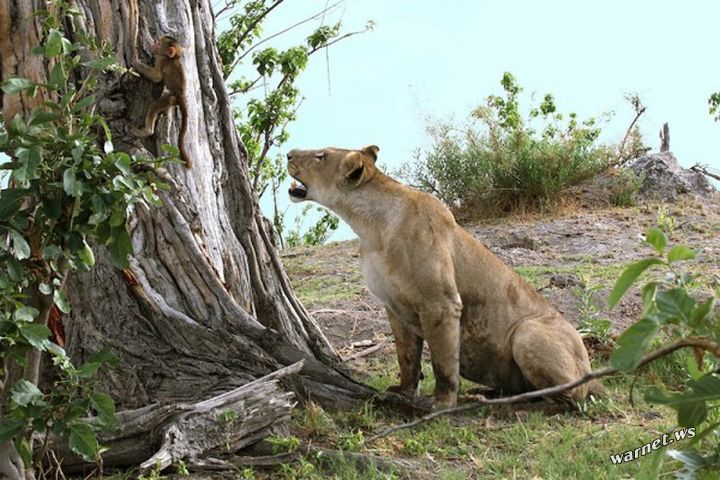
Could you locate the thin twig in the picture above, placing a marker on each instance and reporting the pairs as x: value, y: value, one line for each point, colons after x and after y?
x: 301, y: 22
x: 704, y: 170
x: 249, y: 30
x: 364, y: 353
x: 639, y: 110
x: 699, y: 342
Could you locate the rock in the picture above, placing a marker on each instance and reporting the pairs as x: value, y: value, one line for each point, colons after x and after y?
x: 566, y: 280
x: 666, y: 180
x: 518, y: 240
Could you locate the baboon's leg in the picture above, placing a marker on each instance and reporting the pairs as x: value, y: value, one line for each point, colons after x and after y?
x: 163, y: 103
x: 441, y: 328
x: 409, y: 349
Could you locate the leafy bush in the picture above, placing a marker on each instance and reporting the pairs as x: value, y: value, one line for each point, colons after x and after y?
x: 69, y: 189
x: 318, y: 233
x: 505, y: 162
x: 678, y: 311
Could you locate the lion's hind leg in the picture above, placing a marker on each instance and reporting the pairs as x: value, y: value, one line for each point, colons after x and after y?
x: 550, y: 353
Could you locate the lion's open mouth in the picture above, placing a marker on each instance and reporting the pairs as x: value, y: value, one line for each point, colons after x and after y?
x: 297, y: 190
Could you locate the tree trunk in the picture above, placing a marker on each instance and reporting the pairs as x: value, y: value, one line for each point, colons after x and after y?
x: 206, y: 305
x: 665, y: 138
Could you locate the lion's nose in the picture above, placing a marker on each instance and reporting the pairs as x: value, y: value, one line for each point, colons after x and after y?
x: 290, y: 154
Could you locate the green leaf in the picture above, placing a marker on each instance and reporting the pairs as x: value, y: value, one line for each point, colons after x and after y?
x: 691, y: 414
x: 10, y: 427
x: 87, y: 256
x: 88, y: 369
x: 74, y: 241
x: 61, y: 301
x: 628, y: 277
x: 674, y: 304
x: 51, y: 252
x: 38, y: 117
x: 56, y: 43
x: 16, y: 85
x: 117, y: 218
x: 82, y: 104
x: 702, y: 312
x: 120, y: 247
x: 105, y: 408
x: 36, y: 334
x: 52, y: 208
x: 680, y: 252
x: 82, y: 441
x: 26, y: 314
x: 70, y: 183
x: 29, y: 159
x: 633, y: 344
x: 101, y: 63
x: 656, y: 238
x: 691, y: 460
x: 123, y: 164
x: 25, y: 393
x: 15, y: 269
x: 104, y: 355
x: 58, y: 77
x: 21, y: 249
x: 11, y: 200
x: 23, y: 449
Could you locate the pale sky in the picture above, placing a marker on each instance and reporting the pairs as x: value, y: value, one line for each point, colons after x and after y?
x: 441, y: 59
x: 431, y: 59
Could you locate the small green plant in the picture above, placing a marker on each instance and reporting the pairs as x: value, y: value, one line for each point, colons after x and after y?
x: 318, y: 234
x: 182, y: 469
x: 589, y: 320
x: 414, y: 448
x: 284, y: 444
x: 227, y: 416
x: 352, y: 441
x: 624, y: 187
x: 665, y: 221
x: 682, y: 309
x: 245, y: 474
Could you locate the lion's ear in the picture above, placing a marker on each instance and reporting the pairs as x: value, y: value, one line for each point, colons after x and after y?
x: 352, y: 169
x: 371, y: 151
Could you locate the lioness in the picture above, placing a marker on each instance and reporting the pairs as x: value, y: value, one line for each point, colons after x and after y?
x: 441, y: 285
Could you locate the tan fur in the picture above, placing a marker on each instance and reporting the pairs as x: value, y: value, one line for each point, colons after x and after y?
x: 441, y: 285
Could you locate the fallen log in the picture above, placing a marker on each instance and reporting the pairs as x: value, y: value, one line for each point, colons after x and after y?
x: 156, y: 436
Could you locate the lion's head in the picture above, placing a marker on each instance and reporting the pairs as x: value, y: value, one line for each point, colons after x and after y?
x: 321, y: 175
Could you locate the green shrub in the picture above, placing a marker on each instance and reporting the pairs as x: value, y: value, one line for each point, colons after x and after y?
x: 499, y: 161
x: 624, y: 188
x: 678, y: 310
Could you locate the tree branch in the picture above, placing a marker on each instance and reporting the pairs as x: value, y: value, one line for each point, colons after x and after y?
x: 249, y: 29
x: 703, y: 343
x: 703, y: 169
x: 639, y: 110
x: 291, y: 27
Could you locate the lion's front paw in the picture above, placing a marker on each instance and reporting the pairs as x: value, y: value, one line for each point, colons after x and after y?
x: 443, y: 401
x: 400, y: 390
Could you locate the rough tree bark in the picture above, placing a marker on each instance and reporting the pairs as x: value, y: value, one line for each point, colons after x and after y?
x: 206, y: 305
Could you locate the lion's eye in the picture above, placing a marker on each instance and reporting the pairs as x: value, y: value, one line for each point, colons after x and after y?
x: 320, y: 156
